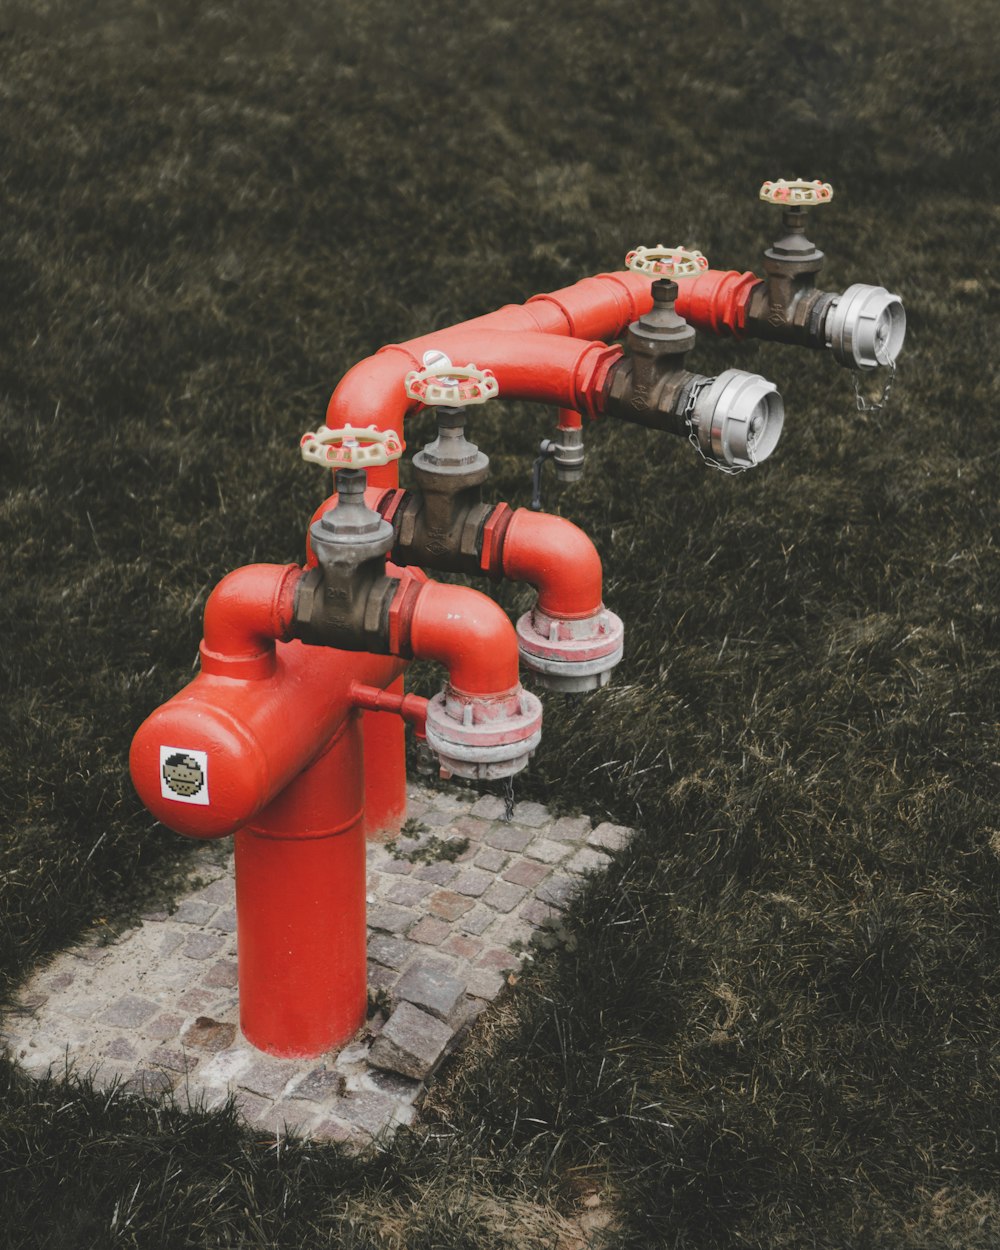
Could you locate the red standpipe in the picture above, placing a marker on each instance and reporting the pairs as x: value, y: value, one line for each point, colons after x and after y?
x: 266, y: 743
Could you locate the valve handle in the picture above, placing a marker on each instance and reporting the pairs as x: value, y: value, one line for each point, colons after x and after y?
x: 448, y: 385
x: 796, y: 191
x: 361, y: 447
x: 666, y: 262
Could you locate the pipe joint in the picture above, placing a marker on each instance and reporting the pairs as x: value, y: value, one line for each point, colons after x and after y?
x: 570, y: 655
x: 484, y: 736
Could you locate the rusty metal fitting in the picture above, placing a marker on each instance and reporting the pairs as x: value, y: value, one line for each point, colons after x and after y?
x: 572, y: 656
x: 646, y: 385
x: 483, y: 736
x: 440, y: 523
x: 344, y: 601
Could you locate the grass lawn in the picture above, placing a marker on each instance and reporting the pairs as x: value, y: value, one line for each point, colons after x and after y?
x: 778, y: 1023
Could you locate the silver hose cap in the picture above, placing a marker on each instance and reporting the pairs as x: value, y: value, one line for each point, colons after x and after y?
x: 738, y: 418
x: 866, y: 327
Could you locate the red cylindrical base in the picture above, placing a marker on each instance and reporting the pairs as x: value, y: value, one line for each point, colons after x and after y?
x: 300, y: 907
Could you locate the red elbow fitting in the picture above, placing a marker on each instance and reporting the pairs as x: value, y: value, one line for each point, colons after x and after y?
x: 249, y: 610
x: 569, y: 640
x: 557, y: 558
x: 483, y: 724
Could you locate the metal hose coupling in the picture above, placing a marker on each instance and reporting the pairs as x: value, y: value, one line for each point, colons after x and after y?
x: 483, y: 736
x: 735, y: 419
x: 570, y: 655
x: 866, y: 327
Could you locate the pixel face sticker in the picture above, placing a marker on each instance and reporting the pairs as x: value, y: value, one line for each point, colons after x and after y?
x: 184, y: 775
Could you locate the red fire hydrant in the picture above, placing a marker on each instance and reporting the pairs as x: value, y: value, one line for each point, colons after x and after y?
x: 290, y: 737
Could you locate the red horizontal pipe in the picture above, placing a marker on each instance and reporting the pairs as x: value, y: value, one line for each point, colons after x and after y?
x: 716, y: 300
x: 557, y: 558
x: 411, y: 707
x: 467, y: 632
x: 245, y: 614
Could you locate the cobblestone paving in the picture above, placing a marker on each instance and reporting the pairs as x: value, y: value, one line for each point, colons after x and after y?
x: 452, y: 910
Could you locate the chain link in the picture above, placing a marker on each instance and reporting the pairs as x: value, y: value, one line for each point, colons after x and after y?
x: 508, y: 798
x: 687, y: 417
x: 870, y: 405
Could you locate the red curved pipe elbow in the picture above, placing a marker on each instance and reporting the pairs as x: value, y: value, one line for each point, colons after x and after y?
x: 469, y: 634
x: 249, y: 610
x: 556, y: 557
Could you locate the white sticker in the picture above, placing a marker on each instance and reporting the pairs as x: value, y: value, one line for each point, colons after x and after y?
x: 184, y: 775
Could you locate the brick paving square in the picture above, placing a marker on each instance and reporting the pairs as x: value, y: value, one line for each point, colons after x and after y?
x: 587, y: 859
x: 224, y: 974
x: 472, y: 881
x: 490, y: 859
x: 499, y: 958
x: 533, y: 815
x: 504, y: 896
x: 224, y: 920
x: 609, y: 837
x: 203, y: 945
x: 527, y: 872
x: 391, y: 918
x: 538, y: 913
x: 408, y: 893
x: 448, y: 905
x: 463, y: 947
x: 485, y: 983
x: 557, y: 890
x: 547, y: 851
x: 430, y: 931
x: 267, y: 1076
x: 194, y: 911
x: 396, y: 867
x: 477, y: 921
x: 167, y: 1024
x: 221, y: 892
x: 319, y: 1085
x: 570, y: 829
x: 489, y: 807
x: 440, y: 873
x: 390, y: 951
x: 175, y: 1060
x: 471, y: 828
x: 128, y: 1012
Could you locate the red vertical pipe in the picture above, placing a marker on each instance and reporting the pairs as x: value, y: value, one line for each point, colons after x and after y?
x: 384, y: 735
x: 300, y: 904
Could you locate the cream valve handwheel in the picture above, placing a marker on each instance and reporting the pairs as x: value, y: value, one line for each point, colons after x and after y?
x: 363, y: 447
x: 443, y: 384
x: 666, y: 262
x: 789, y: 192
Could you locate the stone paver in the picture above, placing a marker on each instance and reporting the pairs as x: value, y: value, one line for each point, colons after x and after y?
x: 157, y: 1010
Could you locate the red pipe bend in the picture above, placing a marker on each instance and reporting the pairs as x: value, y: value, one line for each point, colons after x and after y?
x: 557, y: 558
x: 468, y: 633
x: 247, y: 612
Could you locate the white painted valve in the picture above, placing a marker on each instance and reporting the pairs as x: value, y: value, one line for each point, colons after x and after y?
x: 793, y: 191
x: 441, y: 384
x: 666, y: 262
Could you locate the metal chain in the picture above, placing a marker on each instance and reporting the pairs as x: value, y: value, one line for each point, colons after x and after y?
x: 686, y: 417
x: 508, y: 798
x: 870, y: 405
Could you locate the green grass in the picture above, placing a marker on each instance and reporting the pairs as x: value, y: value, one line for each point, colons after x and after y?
x: 777, y: 1024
